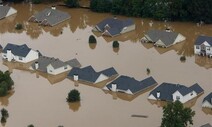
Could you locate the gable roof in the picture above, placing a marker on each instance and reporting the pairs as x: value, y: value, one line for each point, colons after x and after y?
x: 109, y: 72
x: 85, y: 74
x: 4, y: 10
x: 18, y: 50
x: 206, y: 125
x: 166, y: 91
x: 168, y: 38
x: 73, y: 63
x: 208, y: 98
x: 185, y: 90
x: 89, y: 74
x: 44, y: 61
x: 200, y: 39
x: 115, y: 25
x: 52, y: 16
x: 125, y: 83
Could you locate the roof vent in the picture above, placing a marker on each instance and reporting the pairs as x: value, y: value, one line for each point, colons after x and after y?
x: 48, y: 14
x: 53, y: 7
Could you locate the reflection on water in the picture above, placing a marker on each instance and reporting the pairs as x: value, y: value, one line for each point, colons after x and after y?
x: 207, y: 111
x: 160, y: 103
x: 74, y: 106
x: 5, y: 100
x: 92, y: 45
x: 35, y: 96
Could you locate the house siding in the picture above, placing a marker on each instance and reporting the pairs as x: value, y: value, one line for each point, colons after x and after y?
x: 51, y: 70
x: 101, y: 78
x: 128, y: 29
x: 185, y: 98
x: 11, y: 12
x: 179, y: 38
x: 206, y: 104
x: 151, y: 97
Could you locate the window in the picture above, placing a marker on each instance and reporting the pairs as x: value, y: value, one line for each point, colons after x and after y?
x: 65, y: 67
x: 177, y: 97
x: 197, y: 46
x: 20, y: 58
x: 191, y: 93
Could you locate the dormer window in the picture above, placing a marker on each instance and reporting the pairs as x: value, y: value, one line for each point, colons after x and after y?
x: 197, y: 46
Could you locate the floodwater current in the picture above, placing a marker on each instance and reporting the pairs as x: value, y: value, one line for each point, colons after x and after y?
x: 40, y: 99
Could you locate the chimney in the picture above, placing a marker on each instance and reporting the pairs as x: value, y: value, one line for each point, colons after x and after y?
x: 158, y: 94
x: 36, y: 65
x: 76, y: 77
x: 114, y: 87
x: 53, y: 7
x: 9, y: 55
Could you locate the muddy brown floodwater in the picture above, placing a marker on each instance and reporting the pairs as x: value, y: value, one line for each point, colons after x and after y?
x: 41, y: 100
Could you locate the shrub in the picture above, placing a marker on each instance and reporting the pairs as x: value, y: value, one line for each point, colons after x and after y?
x: 148, y: 70
x: 18, y: 26
x: 31, y: 125
x: 115, y: 44
x: 92, y: 39
x: 182, y: 58
x: 73, y: 96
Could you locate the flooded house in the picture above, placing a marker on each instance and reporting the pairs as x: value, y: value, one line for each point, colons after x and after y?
x: 130, y: 85
x: 207, y: 101
x: 203, y: 46
x: 114, y: 26
x: 172, y: 92
x: 6, y: 11
x: 89, y: 75
x: 54, y: 66
x: 163, y: 38
x: 206, y: 125
x: 19, y: 53
x: 49, y: 17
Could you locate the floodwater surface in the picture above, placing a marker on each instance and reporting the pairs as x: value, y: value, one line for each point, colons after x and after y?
x: 40, y: 99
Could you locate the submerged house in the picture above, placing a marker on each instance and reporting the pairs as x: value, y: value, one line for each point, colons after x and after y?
x: 207, y: 101
x: 173, y: 92
x: 89, y: 75
x: 163, y: 38
x: 19, y: 53
x: 113, y: 26
x: 6, y: 11
x: 203, y: 46
x: 49, y: 17
x: 130, y: 85
x: 54, y: 66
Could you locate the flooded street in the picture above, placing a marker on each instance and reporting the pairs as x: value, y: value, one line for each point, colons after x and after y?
x: 41, y: 100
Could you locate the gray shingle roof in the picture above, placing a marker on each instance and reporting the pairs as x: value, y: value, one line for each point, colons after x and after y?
x: 18, y: 50
x: 1, y: 1
x: 116, y: 25
x: 166, y: 91
x: 4, y: 10
x: 124, y: 83
x: 201, y: 39
x: 52, y: 16
x: 85, y: 74
x: 89, y: 74
x: 167, y: 38
x: 109, y: 72
x: 208, y: 98
x: 206, y: 125
x: 73, y: 63
x: 44, y: 61
x: 185, y: 90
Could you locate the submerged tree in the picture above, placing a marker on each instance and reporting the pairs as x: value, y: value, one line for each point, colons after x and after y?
x: 31, y: 125
x: 92, y: 39
x: 175, y: 115
x: 4, y: 115
x: 73, y: 96
x: 6, y: 83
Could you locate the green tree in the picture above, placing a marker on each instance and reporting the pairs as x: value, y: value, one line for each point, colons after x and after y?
x: 73, y: 96
x: 6, y: 83
x: 31, y: 125
x: 92, y: 39
x: 101, y: 5
x: 72, y: 3
x: 175, y: 115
